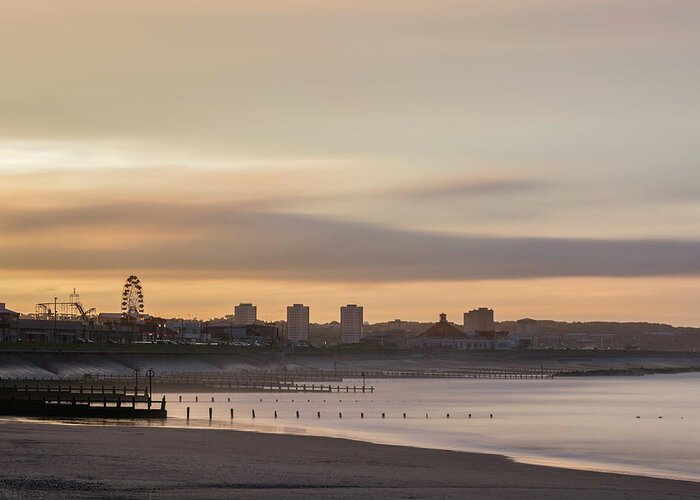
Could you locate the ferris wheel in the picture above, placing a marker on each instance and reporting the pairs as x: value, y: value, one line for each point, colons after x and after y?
x: 132, y: 298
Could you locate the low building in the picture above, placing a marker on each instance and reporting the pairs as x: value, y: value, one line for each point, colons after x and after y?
x: 110, y: 318
x: 228, y: 331
x: 8, y: 324
x: 526, y: 331
x: 390, y: 334
x: 48, y: 330
x: 187, y: 330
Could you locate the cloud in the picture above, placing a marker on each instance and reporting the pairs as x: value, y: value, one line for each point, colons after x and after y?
x: 226, y: 240
x: 467, y: 187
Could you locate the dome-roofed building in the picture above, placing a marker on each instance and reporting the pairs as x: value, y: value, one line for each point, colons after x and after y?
x: 444, y: 334
x: 441, y: 334
x: 443, y: 329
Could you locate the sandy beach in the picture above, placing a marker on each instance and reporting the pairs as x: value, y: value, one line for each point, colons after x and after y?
x: 64, y: 461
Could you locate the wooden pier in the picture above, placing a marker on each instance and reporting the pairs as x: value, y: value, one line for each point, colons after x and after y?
x: 118, y: 387
x: 296, y: 380
x: 69, y: 401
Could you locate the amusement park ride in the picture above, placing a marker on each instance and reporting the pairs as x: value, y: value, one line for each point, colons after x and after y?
x: 132, y: 299
x: 71, y: 310
x: 132, y: 308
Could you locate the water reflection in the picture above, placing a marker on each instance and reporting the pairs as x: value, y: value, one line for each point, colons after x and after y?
x: 587, y: 423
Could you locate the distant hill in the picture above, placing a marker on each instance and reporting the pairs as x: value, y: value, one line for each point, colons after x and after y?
x: 600, y: 327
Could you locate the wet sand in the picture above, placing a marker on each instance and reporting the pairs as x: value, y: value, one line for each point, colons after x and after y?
x: 60, y: 461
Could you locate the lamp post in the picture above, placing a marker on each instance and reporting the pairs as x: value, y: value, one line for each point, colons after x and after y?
x: 55, y: 317
x: 149, y: 374
x: 136, y: 376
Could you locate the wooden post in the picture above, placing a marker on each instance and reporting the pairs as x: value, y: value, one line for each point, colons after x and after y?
x: 231, y: 413
x: 275, y: 413
x: 188, y: 413
x: 253, y: 413
x: 210, y: 413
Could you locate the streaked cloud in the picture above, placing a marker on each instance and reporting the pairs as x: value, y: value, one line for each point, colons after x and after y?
x: 224, y: 240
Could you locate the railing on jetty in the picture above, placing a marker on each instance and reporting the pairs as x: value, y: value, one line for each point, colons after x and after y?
x: 312, y: 380
x: 269, y: 380
x: 297, y: 376
x: 491, y: 373
x: 70, y: 387
x: 77, y: 401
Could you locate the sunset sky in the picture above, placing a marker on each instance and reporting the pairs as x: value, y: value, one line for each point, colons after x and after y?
x: 536, y: 156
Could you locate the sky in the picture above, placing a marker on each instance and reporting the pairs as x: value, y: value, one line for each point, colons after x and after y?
x: 534, y: 156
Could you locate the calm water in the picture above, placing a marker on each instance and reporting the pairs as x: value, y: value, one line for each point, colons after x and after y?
x: 580, y: 422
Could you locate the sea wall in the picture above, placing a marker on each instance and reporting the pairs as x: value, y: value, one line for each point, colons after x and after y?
x: 77, y: 364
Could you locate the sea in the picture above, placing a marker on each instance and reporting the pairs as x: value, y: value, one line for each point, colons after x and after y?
x: 643, y: 425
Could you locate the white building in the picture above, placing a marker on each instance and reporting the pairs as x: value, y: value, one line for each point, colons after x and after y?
x: 351, y: 322
x: 245, y: 314
x: 479, y: 320
x: 189, y: 330
x: 298, y: 323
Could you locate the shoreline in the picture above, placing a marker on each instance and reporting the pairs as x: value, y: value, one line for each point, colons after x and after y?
x: 216, y: 463
x: 522, y: 458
